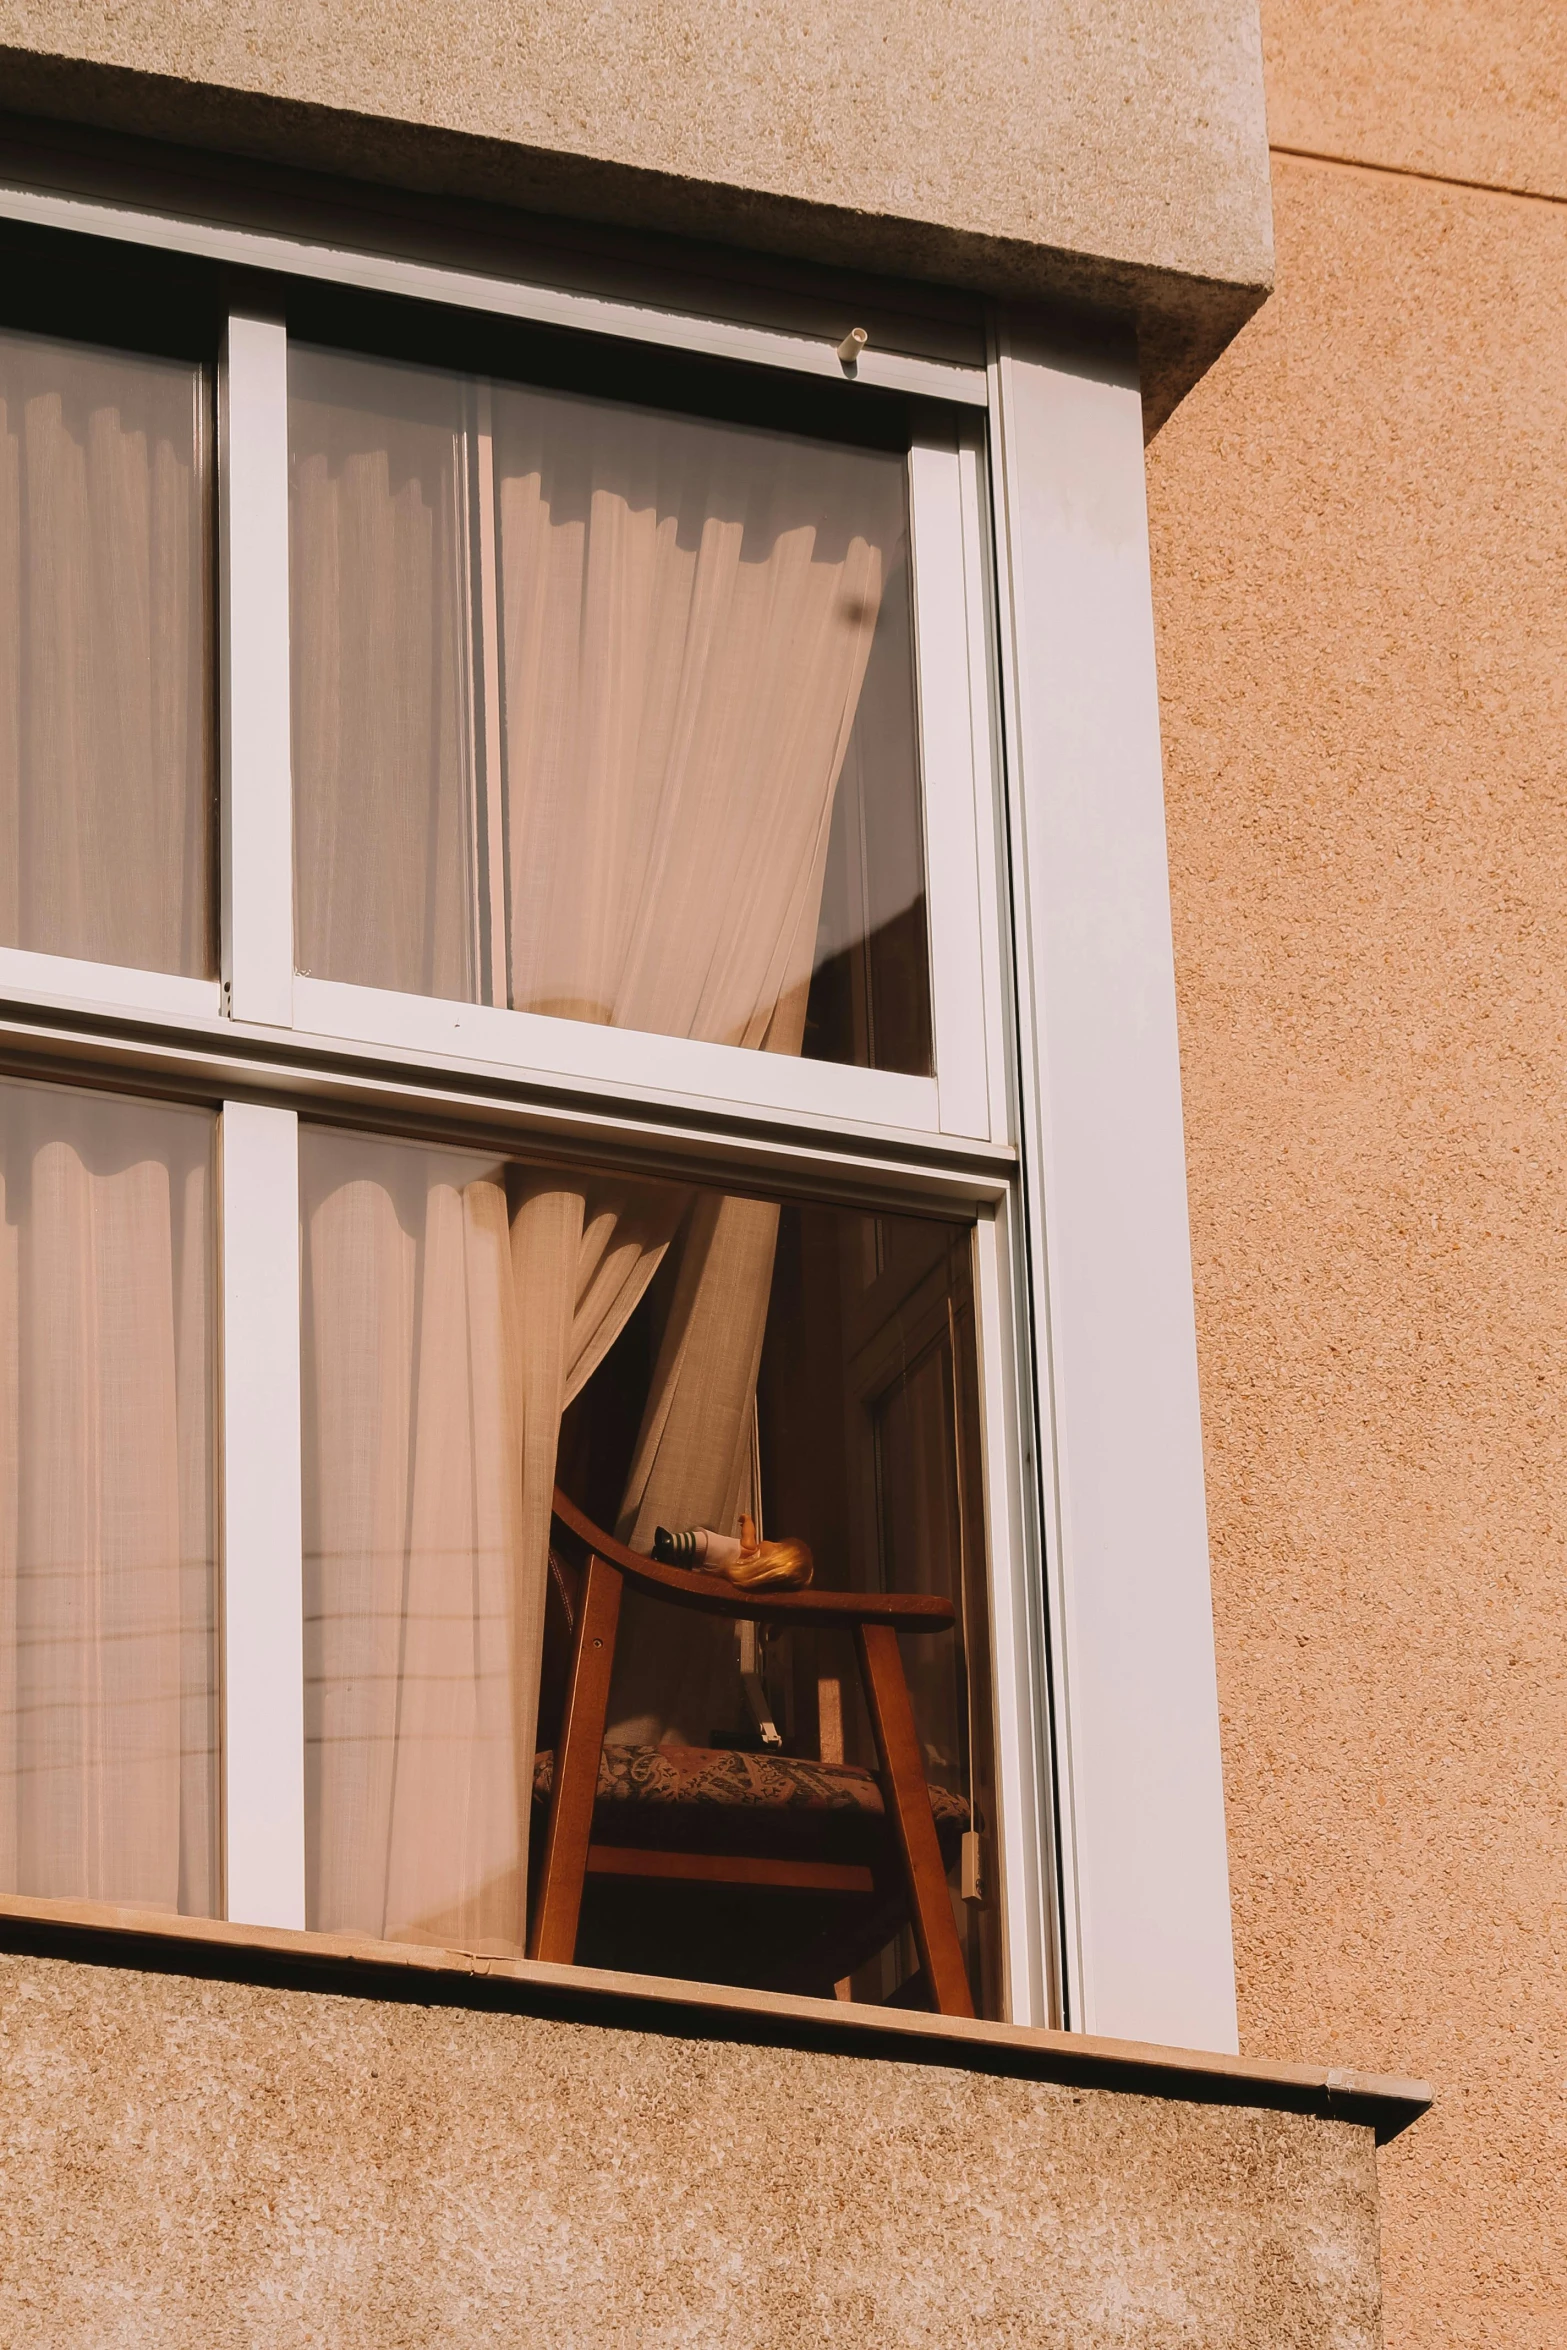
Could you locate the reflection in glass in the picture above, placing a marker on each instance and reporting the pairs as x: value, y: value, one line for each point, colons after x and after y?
x: 106, y: 806
x: 476, y: 1330
x: 604, y: 714
x: 108, y: 1669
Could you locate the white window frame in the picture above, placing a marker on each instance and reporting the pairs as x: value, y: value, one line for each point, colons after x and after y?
x: 1053, y: 1121
x: 261, y: 1545
x: 1145, y: 1907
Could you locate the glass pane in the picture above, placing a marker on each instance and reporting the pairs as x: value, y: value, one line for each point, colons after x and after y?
x: 679, y: 1359
x: 870, y: 993
x: 412, y: 1702
x: 106, y: 798
x: 604, y: 714
x: 380, y: 650
x: 108, y: 1668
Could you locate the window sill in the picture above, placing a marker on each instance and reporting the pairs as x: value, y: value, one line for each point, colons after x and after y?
x: 103, y: 1933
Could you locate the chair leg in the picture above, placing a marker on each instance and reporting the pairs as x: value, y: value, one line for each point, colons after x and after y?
x: 558, y: 1904
x: 908, y: 1800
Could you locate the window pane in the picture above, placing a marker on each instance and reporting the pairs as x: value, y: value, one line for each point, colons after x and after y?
x: 379, y: 648
x: 414, y: 1608
x: 605, y: 714
x: 106, y: 800
x: 108, y: 1681
x: 676, y: 1358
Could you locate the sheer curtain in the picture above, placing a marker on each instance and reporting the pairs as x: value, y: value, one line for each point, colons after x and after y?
x: 687, y: 612
x: 105, y: 758
x: 688, y: 609
x: 108, y: 1748
x: 453, y: 1308
x: 675, y: 619
x: 573, y: 685
x: 379, y: 650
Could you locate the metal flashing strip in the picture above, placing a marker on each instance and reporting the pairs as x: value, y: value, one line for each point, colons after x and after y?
x: 541, y: 303
x: 107, y: 1935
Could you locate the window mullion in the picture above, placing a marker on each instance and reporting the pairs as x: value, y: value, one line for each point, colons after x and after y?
x: 1025, y: 1828
x: 941, y: 630
x: 263, y: 1574
x: 490, y: 780
x: 258, y: 844
x: 985, y: 739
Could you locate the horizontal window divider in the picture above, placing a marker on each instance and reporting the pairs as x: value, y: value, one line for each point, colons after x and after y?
x: 28, y: 978
x: 537, y: 301
x: 226, y: 1061
x: 627, y: 1063
x: 1383, y: 2103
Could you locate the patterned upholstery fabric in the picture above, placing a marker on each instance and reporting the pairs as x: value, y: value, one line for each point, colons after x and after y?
x: 713, y: 1778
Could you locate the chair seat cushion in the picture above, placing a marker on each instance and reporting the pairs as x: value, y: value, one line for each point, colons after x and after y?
x: 703, y: 1778
x: 728, y: 1805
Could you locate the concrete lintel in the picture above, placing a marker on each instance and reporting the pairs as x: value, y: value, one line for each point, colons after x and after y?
x: 1182, y: 317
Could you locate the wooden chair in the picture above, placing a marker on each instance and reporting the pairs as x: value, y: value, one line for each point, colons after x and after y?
x: 912, y: 1886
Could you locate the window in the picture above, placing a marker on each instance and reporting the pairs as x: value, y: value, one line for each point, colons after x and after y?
x: 604, y: 713
x: 700, y: 1354
x: 470, y: 744
x: 582, y: 772
x: 108, y: 1581
x: 106, y: 773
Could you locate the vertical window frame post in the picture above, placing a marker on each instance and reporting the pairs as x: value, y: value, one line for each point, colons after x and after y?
x: 262, y: 1546
x: 1024, y: 1831
x: 257, y: 828
x: 962, y: 1014
x: 1146, y: 1936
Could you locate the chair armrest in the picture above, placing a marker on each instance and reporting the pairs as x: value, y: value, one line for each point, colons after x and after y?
x: 710, y: 1595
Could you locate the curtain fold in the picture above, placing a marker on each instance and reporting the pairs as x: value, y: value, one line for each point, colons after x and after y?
x: 108, y: 1745
x: 452, y: 1307
x: 105, y: 759
x: 692, y: 1466
x: 379, y: 648
x: 687, y: 611
x: 675, y: 622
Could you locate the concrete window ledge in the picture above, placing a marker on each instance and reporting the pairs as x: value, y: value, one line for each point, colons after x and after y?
x: 224, y: 2134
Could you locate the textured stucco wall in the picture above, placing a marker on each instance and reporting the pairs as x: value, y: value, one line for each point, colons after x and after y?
x: 191, y: 2164
x: 1360, y: 525
x: 1470, y: 89
x: 1108, y: 150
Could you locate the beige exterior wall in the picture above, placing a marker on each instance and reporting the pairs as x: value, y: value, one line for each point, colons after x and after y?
x: 1466, y: 89
x: 190, y: 2164
x: 1360, y: 526
x: 1359, y: 520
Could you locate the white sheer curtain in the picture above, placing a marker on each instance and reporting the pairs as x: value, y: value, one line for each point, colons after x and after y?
x: 687, y: 612
x: 108, y: 1750
x: 452, y: 1309
x: 688, y: 609
x: 105, y: 764
x: 378, y: 646
x: 677, y: 616
x: 573, y: 685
